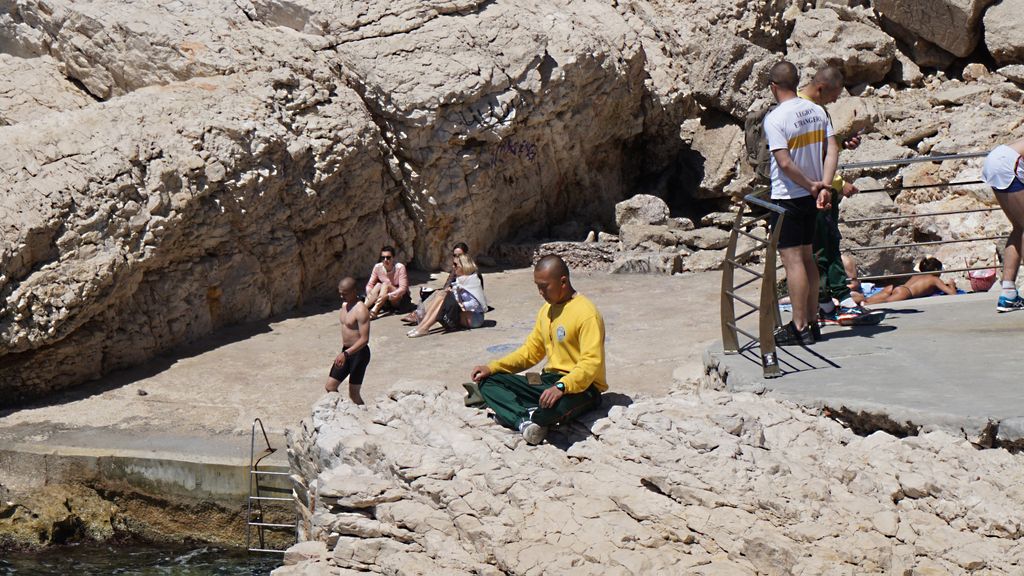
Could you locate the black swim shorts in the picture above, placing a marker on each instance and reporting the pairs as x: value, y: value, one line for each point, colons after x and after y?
x: 354, y: 368
x: 798, y: 225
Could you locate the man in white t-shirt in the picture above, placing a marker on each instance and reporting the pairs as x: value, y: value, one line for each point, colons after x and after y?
x: 804, y: 159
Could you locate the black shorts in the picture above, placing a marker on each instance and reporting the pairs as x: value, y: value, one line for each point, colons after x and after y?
x: 354, y: 368
x: 798, y: 225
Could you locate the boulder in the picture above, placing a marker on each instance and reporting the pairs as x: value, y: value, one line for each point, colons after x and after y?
x: 718, y: 160
x: 709, y: 238
x: 723, y: 220
x: 859, y: 48
x: 680, y: 223
x: 641, y: 209
x: 633, y: 235
x: 704, y: 261
x: 1013, y: 73
x: 852, y: 115
x: 949, y: 24
x: 1003, y: 23
x: 959, y: 95
x: 638, y: 262
x: 905, y: 71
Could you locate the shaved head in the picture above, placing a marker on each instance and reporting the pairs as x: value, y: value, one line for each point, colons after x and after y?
x: 552, y: 263
x: 347, y: 283
x: 785, y: 75
x: 830, y: 77
x: 551, y: 275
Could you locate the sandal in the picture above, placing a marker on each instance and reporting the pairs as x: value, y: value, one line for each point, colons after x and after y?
x: 414, y: 333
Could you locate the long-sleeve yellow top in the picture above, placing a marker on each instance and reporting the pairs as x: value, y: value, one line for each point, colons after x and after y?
x: 571, y: 336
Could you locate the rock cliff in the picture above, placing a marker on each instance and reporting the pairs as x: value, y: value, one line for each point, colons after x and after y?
x: 172, y: 167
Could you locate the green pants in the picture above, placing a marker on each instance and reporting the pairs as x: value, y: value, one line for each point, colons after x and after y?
x: 513, y: 399
x: 826, y: 253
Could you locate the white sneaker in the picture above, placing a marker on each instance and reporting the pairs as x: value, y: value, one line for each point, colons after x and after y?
x: 533, y: 433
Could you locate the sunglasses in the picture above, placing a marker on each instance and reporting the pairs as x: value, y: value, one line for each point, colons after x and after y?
x: 386, y: 258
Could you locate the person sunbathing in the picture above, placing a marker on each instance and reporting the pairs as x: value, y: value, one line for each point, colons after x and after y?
x: 925, y: 284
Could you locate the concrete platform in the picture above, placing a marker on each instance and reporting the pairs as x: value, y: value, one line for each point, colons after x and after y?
x: 948, y: 362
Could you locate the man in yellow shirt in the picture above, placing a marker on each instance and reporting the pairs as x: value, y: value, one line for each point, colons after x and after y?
x: 569, y: 331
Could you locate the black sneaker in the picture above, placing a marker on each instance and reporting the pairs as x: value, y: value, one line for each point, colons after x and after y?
x: 788, y: 335
x: 815, y: 331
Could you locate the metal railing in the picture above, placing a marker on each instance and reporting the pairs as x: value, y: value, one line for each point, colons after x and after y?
x: 894, y: 190
x: 768, y: 306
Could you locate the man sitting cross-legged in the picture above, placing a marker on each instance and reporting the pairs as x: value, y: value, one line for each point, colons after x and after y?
x: 569, y: 331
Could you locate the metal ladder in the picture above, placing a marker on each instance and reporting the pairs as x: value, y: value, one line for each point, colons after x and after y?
x: 254, y: 515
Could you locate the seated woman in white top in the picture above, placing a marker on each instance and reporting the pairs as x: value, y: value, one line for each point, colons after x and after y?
x: 463, y: 305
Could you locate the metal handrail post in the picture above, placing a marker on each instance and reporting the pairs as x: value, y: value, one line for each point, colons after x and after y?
x: 730, y: 339
x: 770, y: 318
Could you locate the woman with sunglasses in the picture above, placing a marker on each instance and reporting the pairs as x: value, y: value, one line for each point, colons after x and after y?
x: 388, y: 288
x: 463, y: 303
x: 429, y: 296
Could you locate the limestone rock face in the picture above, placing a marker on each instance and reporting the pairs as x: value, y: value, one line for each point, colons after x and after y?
x: 1003, y: 22
x: 862, y: 51
x: 32, y: 88
x: 949, y: 24
x: 246, y: 155
x: 123, y: 238
x: 723, y: 484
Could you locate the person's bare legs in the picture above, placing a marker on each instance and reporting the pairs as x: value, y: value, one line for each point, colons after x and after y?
x: 1013, y: 206
x: 794, y: 260
x: 372, y: 296
x: 813, y: 284
x: 332, y: 384
x: 433, y: 311
x: 353, y: 394
x: 880, y: 297
x: 376, y: 297
x: 899, y: 293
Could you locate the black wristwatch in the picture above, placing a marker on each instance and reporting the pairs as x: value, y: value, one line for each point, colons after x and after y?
x: 345, y: 353
x: 560, y: 386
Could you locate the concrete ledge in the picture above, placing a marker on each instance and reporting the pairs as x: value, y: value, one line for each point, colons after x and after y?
x: 945, y: 362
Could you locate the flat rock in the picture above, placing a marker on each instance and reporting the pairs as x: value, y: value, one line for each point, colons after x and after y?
x: 708, y: 238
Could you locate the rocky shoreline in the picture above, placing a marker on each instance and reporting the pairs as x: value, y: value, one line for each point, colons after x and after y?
x: 700, y: 481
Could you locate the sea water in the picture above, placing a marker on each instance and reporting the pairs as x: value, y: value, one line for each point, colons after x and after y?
x: 137, y: 560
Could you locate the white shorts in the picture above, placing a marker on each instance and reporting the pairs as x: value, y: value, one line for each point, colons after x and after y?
x: 1004, y: 170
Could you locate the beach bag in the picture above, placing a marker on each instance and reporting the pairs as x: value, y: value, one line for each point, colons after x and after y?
x: 982, y: 280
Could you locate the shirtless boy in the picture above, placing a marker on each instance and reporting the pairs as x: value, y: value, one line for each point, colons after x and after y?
x: 355, y: 340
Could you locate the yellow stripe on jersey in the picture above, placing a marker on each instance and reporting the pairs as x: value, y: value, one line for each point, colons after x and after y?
x: 807, y: 139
